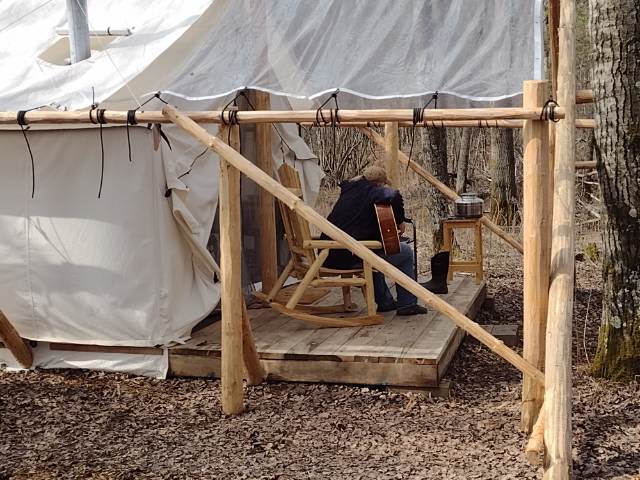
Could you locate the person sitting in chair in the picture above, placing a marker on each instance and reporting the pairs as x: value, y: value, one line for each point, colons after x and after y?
x: 354, y: 213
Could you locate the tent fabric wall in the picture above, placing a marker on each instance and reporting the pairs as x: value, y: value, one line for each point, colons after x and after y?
x: 132, y: 268
x: 377, y: 53
x: 129, y: 268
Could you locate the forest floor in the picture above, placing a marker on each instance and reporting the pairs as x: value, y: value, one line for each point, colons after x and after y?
x: 72, y: 424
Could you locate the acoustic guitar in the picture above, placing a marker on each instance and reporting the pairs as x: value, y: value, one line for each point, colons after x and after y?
x: 388, y: 229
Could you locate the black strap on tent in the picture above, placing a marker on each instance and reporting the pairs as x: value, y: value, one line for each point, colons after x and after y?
x: 549, y: 111
x: 99, y: 120
x: 418, y: 117
x: 131, y: 120
x: 232, y: 115
x: 283, y: 142
x: 22, y: 122
x: 334, y: 117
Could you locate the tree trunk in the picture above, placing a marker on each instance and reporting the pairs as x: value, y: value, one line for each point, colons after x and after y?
x: 615, y: 38
x: 463, y: 160
x: 434, y: 144
x: 504, y: 194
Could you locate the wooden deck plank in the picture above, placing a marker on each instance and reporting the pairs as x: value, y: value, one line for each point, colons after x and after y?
x: 306, y: 347
x: 359, y: 373
x: 428, y: 346
x: 386, y: 342
x: 279, y: 348
x: 433, y: 341
x: 398, y: 348
x: 404, y: 351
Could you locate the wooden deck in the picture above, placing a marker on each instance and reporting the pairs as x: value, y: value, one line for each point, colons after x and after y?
x: 404, y: 351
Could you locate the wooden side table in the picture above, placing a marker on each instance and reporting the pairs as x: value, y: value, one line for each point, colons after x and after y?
x: 474, y: 265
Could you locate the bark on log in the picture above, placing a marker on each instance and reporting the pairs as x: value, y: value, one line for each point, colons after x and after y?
x: 434, y: 144
x: 463, y: 161
x: 615, y: 38
x: 536, y: 236
x: 557, y: 428
x: 502, y: 167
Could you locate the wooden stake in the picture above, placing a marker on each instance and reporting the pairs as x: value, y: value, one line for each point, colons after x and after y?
x: 266, y: 208
x: 442, y: 188
x: 253, y: 368
x: 305, y: 211
x: 16, y: 345
x: 391, y: 147
x: 535, y: 238
x: 557, y: 425
x: 535, y: 446
x: 231, y: 281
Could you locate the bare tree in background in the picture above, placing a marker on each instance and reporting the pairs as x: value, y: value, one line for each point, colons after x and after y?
x: 463, y: 160
x: 502, y: 167
x: 615, y: 38
x: 434, y: 146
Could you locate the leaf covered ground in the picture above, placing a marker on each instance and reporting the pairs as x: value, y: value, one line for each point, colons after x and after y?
x: 71, y: 424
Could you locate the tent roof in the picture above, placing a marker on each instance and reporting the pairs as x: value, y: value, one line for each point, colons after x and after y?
x: 202, y: 50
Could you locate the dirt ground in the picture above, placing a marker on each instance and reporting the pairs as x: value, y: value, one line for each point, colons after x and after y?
x: 110, y: 426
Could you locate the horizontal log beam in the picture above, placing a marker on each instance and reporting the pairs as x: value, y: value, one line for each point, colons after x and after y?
x: 587, y: 123
x: 309, y: 214
x: 282, y: 116
x: 591, y: 165
x: 584, y: 96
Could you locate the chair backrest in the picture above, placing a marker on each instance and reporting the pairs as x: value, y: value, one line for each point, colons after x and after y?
x: 296, y: 228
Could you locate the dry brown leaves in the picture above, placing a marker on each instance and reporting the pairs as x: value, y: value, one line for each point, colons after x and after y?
x: 111, y: 426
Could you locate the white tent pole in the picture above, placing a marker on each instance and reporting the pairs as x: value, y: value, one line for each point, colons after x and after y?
x: 78, y: 30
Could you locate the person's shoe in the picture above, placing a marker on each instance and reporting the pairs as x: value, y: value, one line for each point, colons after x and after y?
x: 439, y: 272
x: 387, y: 308
x: 412, y: 310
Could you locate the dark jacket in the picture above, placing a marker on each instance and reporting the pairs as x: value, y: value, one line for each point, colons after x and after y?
x: 354, y: 213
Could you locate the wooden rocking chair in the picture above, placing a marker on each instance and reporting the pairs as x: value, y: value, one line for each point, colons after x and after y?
x: 307, y: 258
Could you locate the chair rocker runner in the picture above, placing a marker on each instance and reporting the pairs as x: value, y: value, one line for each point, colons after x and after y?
x: 307, y: 258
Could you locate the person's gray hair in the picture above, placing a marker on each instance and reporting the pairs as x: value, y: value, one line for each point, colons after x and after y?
x: 376, y: 173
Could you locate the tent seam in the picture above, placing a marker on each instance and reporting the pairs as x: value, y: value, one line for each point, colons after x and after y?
x: 333, y: 89
x: 28, y: 254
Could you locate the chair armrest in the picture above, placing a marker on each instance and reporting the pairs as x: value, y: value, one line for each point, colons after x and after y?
x: 332, y: 244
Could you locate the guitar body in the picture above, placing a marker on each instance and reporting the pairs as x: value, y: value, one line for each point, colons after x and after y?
x: 388, y: 229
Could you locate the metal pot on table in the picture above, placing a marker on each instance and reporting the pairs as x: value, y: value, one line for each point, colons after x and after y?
x: 469, y: 205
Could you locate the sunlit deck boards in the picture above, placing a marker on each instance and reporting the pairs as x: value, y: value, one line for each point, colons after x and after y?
x: 404, y: 351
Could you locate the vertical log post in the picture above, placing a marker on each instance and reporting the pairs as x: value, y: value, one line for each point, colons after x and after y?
x: 557, y: 419
x: 231, y: 280
x: 391, y: 148
x: 535, y: 239
x: 266, y: 207
x: 254, y: 373
x: 554, y: 20
x: 16, y: 345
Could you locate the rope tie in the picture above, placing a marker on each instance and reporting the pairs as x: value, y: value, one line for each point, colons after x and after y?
x: 99, y: 120
x: 22, y: 121
x: 418, y: 117
x: 232, y: 114
x: 549, y: 111
x: 131, y: 120
x: 334, y: 117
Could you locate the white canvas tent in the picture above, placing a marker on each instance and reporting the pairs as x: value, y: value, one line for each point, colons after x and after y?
x: 131, y: 267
